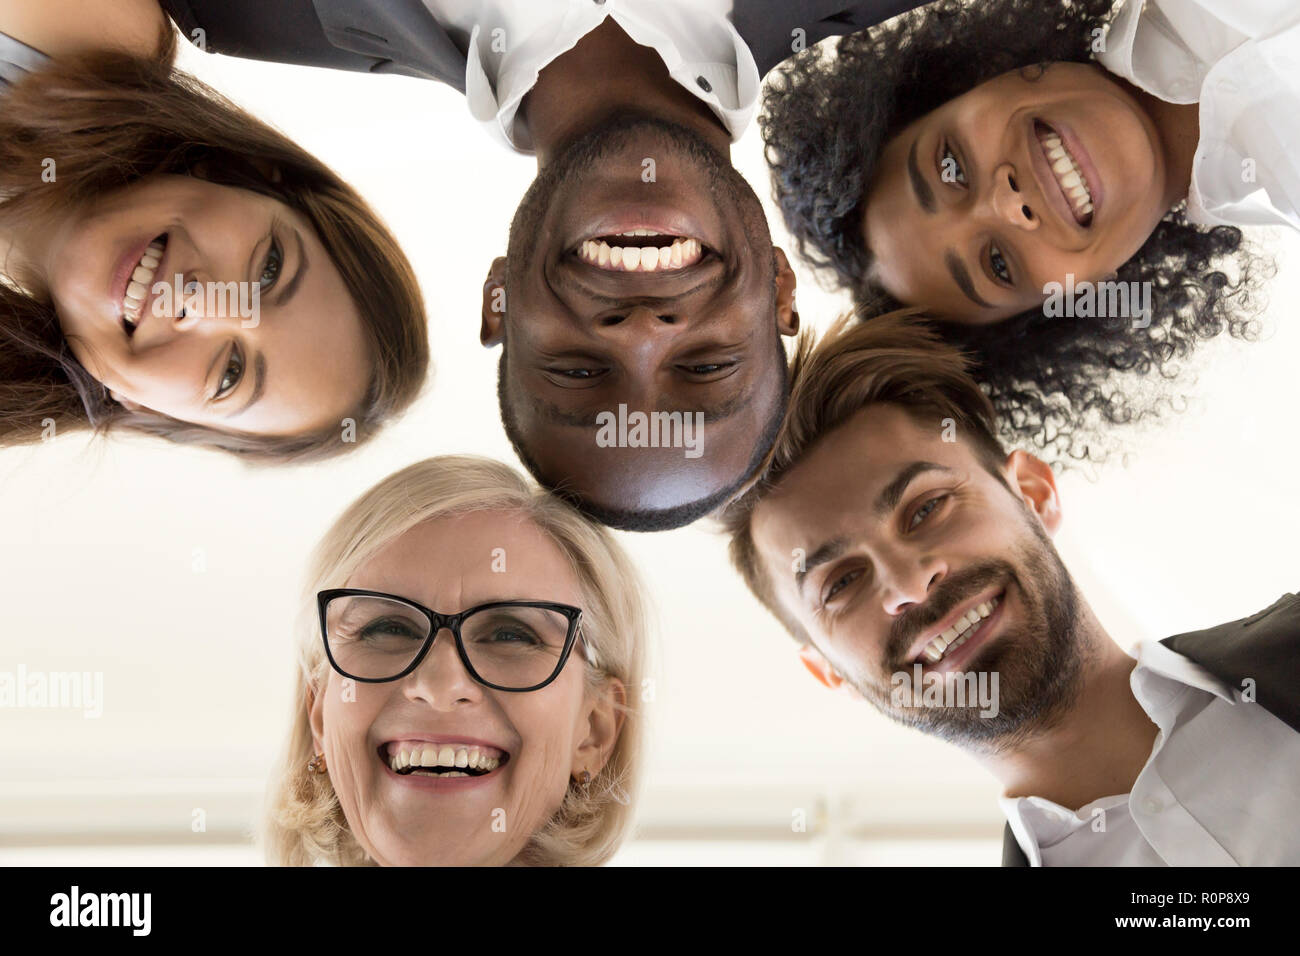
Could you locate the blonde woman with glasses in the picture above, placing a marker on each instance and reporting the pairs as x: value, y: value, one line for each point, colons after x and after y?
x: 470, y: 658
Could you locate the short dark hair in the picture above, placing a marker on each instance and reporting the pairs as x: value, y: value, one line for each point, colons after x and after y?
x: 1056, y: 384
x: 893, y: 360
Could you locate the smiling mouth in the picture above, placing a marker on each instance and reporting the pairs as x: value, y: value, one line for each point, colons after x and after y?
x: 641, y: 250
x: 941, y: 645
x: 434, y: 760
x: 137, y: 288
x: 1067, y: 172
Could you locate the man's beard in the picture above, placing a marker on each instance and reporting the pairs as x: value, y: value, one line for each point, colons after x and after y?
x: 1038, y: 665
x: 725, y: 184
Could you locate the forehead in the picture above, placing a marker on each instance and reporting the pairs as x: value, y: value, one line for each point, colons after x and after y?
x: 834, y: 487
x: 470, y: 559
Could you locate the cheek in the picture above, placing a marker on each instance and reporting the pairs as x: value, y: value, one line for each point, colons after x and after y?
x: 549, y: 737
x: 349, y: 754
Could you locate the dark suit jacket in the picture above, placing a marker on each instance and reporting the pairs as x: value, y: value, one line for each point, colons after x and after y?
x: 401, y: 36
x: 1264, y: 648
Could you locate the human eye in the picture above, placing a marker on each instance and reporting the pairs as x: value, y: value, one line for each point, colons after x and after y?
x: 272, y: 265
x: 511, y: 633
x: 388, y: 627
x: 707, y: 368
x: 922, y: 513
x: 998, y: 265
x: 580, y: 374
x: 841, y: 582
x: 950, y: 168
x: 233, y: 374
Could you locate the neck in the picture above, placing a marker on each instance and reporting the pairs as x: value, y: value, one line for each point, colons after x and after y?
x: 1096, y: 748
x: 1179, y: 127
x: 605, y: 74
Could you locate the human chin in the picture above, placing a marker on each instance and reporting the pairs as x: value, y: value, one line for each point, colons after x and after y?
x: 441, y: 800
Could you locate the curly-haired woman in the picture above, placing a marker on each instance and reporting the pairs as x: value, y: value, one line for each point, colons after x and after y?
x: 981, y: 159
x: 296, y: 327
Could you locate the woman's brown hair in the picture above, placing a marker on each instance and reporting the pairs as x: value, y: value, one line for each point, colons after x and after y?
x: 112, y: 119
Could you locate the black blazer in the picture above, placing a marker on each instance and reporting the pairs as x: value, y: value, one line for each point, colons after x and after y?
x: 401, y: 36
x: 1264, y: 647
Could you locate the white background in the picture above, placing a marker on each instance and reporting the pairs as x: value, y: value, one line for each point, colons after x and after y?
x: 178, y: 573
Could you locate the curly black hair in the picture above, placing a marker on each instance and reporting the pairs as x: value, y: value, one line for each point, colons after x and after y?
x: 1055, y: 384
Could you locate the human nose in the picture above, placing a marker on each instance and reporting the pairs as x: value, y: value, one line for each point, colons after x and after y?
x: 906, y: 579
x: 656, y: 319
x: 219, y: 305
x: 1008, y: 203
x: 441, y: 679
x: 642, y: 333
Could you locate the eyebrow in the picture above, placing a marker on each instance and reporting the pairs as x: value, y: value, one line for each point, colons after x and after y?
x: 892, y: 493
x: 924, y: 195
x: 259, y: 385
x: 962, y: 278
x: 827, y: 552
x: 886, y: 502
x: 289, y: 288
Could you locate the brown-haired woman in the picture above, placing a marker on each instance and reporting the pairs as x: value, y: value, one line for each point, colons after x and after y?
x: 171, y: 265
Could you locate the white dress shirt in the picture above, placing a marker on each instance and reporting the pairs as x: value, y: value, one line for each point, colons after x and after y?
x: 511, y: 41
x: 1221, y: 787
x: 1240, y: 59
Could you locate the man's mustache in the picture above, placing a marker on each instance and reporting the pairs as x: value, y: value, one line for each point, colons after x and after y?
x: 949, y: 593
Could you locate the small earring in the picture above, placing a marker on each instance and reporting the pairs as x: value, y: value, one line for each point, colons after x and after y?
x: 316, y: 764
x: 584, y: 778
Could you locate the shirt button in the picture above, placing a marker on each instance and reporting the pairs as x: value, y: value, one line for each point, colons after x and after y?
x: 1152, y: 805
x: 704, y: 84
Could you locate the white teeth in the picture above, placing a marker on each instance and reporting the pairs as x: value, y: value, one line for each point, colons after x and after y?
x: 1067, y: 172
x: 458, y: 758
x: 137, y: 290
x: 955, y: 636
x: 679, y: 254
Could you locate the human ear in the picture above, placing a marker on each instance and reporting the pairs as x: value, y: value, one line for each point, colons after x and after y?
x: 125, y: 402
x: 787, y: 319
x: 1033, y: 479
x: 492, y: 329
x: 316, y: 718
x: 820, y: 667
x: 605, y: 716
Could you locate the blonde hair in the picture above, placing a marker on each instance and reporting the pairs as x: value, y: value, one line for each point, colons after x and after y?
x: 304, y: 822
